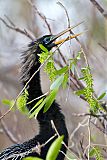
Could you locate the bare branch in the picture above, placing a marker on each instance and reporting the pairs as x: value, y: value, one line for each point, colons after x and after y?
x: 41, y: 15
x: 99, y: 128
x: 100, y: 8
x: 45, y: 94
x: 105, y: 48
x: 80, y: 124
x: 9, y: 20
x: 71, y: 151
x: 68, y: 19
x: 8, y: 132
x: 89, y: 114
x: 13, y: 27
x: 89, y: 137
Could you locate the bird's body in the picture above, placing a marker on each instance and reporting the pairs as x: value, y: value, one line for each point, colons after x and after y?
x: 54, y: 112
x: 30, y: 65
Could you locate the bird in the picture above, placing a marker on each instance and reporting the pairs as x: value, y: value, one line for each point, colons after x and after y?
x: 30, y: 64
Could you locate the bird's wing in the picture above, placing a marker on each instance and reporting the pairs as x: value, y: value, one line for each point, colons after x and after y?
x: 18, y: 151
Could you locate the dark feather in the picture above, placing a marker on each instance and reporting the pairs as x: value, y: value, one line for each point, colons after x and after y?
x: 30, y: 63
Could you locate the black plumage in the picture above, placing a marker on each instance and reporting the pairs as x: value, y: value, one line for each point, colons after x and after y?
x: 30, y: 64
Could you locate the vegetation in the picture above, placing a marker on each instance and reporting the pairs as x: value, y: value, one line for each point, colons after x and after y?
x: 84, y: 84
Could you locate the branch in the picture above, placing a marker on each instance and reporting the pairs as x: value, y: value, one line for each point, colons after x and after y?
x: 89, y: 137
x: 68, y: 19
x: 43, y: 17
x: 89, y: 114
x: 83, y: 123
x: 71, y: 151
x: 8, y: 132
x: 13, y: 27
x: 100, y: 129
x: 105, y: 48
x: 99, y: 7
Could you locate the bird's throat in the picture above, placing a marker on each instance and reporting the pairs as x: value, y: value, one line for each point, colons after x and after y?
x: 34, y: 87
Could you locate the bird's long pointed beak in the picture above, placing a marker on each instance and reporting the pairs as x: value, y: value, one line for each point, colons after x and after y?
x: 66, y: 39
x: 54, y: 37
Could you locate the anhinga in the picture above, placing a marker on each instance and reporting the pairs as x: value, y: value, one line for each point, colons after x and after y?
x: 30, y: 65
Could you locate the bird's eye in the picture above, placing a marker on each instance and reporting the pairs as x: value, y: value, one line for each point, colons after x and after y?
x: 46, y: 40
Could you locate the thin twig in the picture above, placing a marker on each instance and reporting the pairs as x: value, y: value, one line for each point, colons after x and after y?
x: 49, y: 140
x: 53, y: 126
x: 67, y: 156
x: 82, y: 148
x: 80, y: 124
x: 13, y: 27
x: 24, y: 89
x: 73, y: 152
x: 68, y: 19
x: 8, y: 132
x: 105, y: 48
x: 100, y: 129
x: 38, y: 98
x: 10, y: 21
x: 73, y: 78
x: 99, y: 7
x: 88, y: 114
x: 89, y: 137
x: 41, y: 15
x: 100, y: 145
x: 59, y: 3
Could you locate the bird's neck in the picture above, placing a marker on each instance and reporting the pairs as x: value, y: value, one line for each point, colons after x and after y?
x: 34, y: 86
x: 53, y: 114
x: 51, y: 123
x: 34, y: 90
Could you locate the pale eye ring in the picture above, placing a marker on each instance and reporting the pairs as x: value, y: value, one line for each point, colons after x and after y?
x: 47, y: 40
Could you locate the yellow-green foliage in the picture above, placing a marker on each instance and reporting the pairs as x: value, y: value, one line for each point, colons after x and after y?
x: 96, y: 153
x: 88, y: 91
x: 49, y: 65
x: 50, y: 69
x: 21, y: 102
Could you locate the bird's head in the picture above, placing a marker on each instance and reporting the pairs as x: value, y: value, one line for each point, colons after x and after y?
x: 30, y: 57
x: 50, y: 41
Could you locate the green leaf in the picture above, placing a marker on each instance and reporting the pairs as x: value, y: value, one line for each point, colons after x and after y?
x: 78, y: 57
x: 8, y: 102
x: 43, y: 48
x: 82, y: 78
x: 50, y: 69
x: 92, y: 152
x: 37, y: 104
x: 62, y: 70
x: 64, y: 83
x: 73, y: 68
x: 35, y: 113
x: 96, y: 152
x: 26, y: 93
x: 32, y: 158
x: 101, y: 96
x: 43, y: 56
x: 50, y: 99
x: 54, y: 149
x: 21, y: 104
x: 57, y: 82
x: 79, y: 92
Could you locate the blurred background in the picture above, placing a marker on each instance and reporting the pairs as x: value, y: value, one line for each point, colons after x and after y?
x: 15, y: 127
